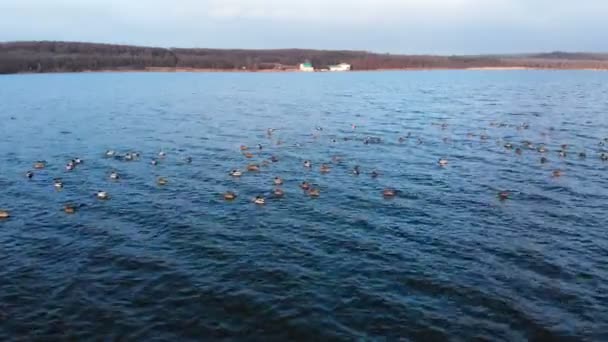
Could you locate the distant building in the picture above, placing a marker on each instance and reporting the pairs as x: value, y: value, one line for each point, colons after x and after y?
x: 307, y: 67
x: 340, y: 67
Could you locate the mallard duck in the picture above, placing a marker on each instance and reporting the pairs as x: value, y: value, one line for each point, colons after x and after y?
x: 278, y: 192
x: 314, y: 192
x: 389, y: 193
x: 69, y: 209
x: 229, y: 196
x: 503, y: 195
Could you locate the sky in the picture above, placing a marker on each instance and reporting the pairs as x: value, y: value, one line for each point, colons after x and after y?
x: 391, y: 26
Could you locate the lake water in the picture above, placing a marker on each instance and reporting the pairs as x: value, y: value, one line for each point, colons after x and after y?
x: 446, y: 259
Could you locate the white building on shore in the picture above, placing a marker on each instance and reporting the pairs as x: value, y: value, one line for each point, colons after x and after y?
x: 340, y: 67
x: 307, y: 67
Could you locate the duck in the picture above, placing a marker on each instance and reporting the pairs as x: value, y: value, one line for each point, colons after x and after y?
x: 274, y: 159
x: 69, y: 166
x: 307, y: 164
x: 249, y: 155
x: 389, y: 193
x: 162, y: 181
x: 401, y: 139
x: 543, y: 160
x: 4, y: 214
x: 129, y: 156
x: 325, y: 168
x: 582, y: 155
x: 229, y: 196
x: 58, y: 183
x: 564, y: 146
x: 29, y: 174
x: 604, y: 157
x: 69, y: 208
x: 278, y: 192
x: 102, y: 195
x: 356, y: 170
x: 503, y: 195
x: 278, y: 181
x: 336, y: 159
x: 110, y: 153
x: 269, y: 131
x: 314, y: 192
x: 188, y: 160
x: 562, y: 154
x: 542, y: 149
x: 259, y: 200
x: 260, y: 147
x: 375, y: 174
x: 518, y: 151
x: 39, y: 165
x: 305, y: 186
x: 154, y: 162
x: 244, y: 148
x: 78, y: 161
x: 162, y: 154
x: 236, y: 173
x: 265, y: 163
x: 443, y: 162
x: 508, y: 146
x: 114, y: 175
x: 253, y: 168
x: 557, y: 173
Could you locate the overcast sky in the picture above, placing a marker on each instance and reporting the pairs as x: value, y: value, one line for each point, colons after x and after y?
x: 396, y: 26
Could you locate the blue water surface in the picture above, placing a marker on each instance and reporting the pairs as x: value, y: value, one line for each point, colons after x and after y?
x: 446, y: 259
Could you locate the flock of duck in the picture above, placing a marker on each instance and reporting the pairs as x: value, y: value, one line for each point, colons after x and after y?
x: 308, y: 188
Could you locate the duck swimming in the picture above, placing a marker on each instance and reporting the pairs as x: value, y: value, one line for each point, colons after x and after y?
x: 582, y: 155
x: 39, y: 165
x: 253, y: 168
x: 259, y: 200
x: 29, y: 174
x: 78, y: 161
x: 542, y: 149
x: 69, y: 209
x: 114, y: 175
x: 503, y: 195
x: 162, y: 154
x: 188, y: 160
x: 508, y: 146
x: 305, y: 186
x: 604, y: 157
x: 278, y: 181
x: 443, y: 162
x: 543, y: 160
x: 102, y: 195
x: 229, y: 196
x: 557, y: 173
x: 4, y: 214
x: 375, y: 174
x: 162, y: 181
x: 236, y: 173
x: 248, y: 155
x: 58, y: 183
x: 110, y: 153
x: 518, y: 151
x: 307, y: 164
x: 70, y: 166
x: 278, y: 192
x: 154, y: 162
x: 313, y: 192
x: 562, y: 154
x: 356, y: 170
x: 260, y: 147
x: 274, y: 159
x: 244, y: 148
x: 325, y: 168
x: 389, y: 193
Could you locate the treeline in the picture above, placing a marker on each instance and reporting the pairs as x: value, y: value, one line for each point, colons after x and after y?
x: 38, y: 57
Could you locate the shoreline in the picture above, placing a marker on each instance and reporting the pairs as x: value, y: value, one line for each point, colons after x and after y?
x: 206, y: 70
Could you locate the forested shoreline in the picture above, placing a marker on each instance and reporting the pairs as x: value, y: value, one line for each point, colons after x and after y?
x: 48, y: 56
